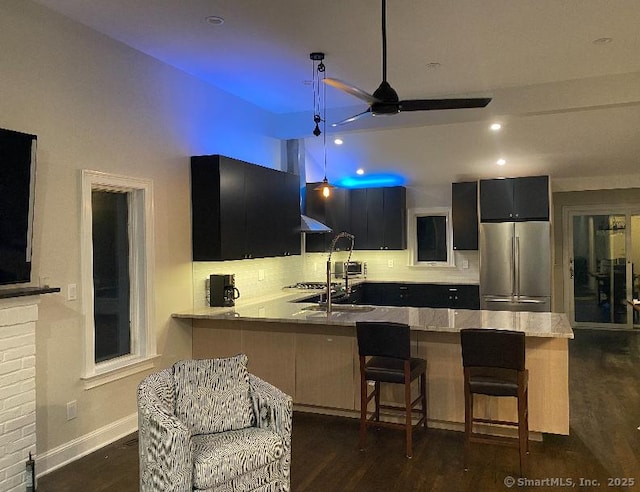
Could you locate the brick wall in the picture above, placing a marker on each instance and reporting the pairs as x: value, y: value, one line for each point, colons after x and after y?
x: 17, y: 391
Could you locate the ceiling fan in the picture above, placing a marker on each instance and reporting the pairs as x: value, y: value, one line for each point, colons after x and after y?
x: 385, y: 100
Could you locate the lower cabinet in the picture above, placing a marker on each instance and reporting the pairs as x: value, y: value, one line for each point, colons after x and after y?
x: 454, y: 296
x: 272, y: 356
x: 318, y: 366
x: 271, y: 352
x: 325, y: 369
x: 315, y: 367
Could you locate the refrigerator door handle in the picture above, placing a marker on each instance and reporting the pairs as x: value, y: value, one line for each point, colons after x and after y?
x: 530, y: 301
x: 499, y: 299
x: 512, y: 266
x: 517, y: 265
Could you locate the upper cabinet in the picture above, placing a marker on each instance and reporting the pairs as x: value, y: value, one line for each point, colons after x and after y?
x: 240, y: 210
x: 464, y: 215
x: 375, y: 216
x: 514, y: 199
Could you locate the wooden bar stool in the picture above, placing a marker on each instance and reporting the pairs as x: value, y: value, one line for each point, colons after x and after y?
x: 494, y: 365
x: 389, y: 348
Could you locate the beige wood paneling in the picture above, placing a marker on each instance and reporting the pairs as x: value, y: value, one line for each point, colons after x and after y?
x: 318, y: 366
x: 547, y: 360
x: 325, y: 368
x: 216, y: 339
x: 271, y: 355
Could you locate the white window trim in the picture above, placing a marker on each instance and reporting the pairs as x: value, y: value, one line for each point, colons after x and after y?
x: 142, y: 263
x: 412, y: 215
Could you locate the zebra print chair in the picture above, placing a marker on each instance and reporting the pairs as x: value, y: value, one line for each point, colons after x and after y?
x: 210, y: 425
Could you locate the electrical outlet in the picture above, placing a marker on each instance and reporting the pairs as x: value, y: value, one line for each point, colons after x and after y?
x: 465, y: 263
x: 72, y: 409
x: 260, y: 274
x: 72, y: 292
x: 390, y: 263
x: 261, y: 311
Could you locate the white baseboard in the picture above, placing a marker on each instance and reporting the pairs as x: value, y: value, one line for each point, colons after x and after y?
x: 83, y: 445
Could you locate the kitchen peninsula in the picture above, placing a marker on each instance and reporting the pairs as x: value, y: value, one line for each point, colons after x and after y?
x: 313, y: 355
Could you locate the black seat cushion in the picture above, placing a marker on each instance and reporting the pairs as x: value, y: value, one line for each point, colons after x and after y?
x: 391, y: 370
x: 494, y: 381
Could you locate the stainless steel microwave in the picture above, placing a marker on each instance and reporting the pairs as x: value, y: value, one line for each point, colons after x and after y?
x: 354, y: 269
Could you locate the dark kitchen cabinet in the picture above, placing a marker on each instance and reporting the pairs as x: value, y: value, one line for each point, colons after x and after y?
x: 514, y: 199
x: 464, y: 214
x: 462, y: 296
x: 241, y: 210
x: 358, y: 218
x: 289, y: 224
x: 375, y: 216
x: 453, y: 296
x: 395, y: 217
x: 378, y: 218
x: 382, y: 293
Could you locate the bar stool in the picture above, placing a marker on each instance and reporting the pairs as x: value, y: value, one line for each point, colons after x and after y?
x: 389, y: 346
x: 494, y: 365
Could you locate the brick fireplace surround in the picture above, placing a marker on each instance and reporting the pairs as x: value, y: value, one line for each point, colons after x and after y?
x: 18, y: 316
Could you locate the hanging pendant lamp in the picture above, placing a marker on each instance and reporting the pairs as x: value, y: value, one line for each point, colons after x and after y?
x: 319, y: 69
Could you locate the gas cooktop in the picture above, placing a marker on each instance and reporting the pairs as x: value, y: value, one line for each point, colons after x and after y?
x: 313, y: 285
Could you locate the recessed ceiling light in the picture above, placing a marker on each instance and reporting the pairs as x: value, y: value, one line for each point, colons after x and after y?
x: 602, y: 41
x: 432, y: 66
x: 501, y: 162
x: 338, y: 141
x: 360, y: 172
x: 214, y: 20
x: 495, y: 127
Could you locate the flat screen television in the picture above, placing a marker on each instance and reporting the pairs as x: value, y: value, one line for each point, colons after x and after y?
x: 17, y: 186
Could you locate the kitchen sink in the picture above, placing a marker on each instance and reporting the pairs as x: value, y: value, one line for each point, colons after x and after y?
x: 349, y: 308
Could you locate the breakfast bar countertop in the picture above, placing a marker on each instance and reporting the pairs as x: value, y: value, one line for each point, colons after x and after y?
x: 283, y: 308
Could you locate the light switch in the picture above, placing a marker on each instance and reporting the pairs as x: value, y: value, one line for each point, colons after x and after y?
x: 260, y: 274
x: 72, y: 292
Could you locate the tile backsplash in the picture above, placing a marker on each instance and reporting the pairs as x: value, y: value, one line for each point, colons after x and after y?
x: 394, y: 265
x: 262, y: 277
x: 275, y: 273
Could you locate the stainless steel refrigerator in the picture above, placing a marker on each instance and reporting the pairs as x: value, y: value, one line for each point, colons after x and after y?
x: 515, y: 266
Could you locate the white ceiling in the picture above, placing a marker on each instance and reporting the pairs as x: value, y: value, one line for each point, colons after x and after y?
x: 569, y: 107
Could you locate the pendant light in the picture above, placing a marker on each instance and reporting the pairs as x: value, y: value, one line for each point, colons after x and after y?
x: 319, y: 70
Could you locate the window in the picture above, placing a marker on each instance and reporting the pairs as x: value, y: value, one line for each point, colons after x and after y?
x: 430, y: 237
x: 117, y: 276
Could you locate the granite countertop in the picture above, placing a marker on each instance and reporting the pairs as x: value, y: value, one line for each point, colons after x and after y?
x: 282, y: 308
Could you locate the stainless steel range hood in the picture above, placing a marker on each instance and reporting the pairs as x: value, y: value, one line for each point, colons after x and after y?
x: 293, y: 162
x: 307, y: 224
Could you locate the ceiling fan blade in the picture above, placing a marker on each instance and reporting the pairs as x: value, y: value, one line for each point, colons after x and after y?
x: 350, y: 89
x: 438, y: 104
x: 352, y: 118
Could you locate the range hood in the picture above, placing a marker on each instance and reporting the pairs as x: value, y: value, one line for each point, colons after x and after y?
x: 307, y: 224
x: 293, y: 162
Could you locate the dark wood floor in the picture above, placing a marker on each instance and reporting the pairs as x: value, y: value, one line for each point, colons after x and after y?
x: 604, y: 444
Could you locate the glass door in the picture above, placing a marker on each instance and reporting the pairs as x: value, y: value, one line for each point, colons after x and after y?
x: 603, y: 268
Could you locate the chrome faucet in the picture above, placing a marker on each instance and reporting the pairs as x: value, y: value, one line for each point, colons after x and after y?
x: 332, y: 248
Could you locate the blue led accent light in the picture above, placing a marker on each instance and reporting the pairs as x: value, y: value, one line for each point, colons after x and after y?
x: 371, y: 181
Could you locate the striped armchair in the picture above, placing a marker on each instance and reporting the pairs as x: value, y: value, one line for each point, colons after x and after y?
x: 210, y: 425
